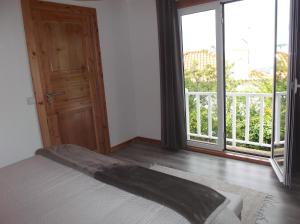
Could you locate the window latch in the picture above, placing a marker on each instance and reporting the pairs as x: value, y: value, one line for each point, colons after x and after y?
x: 296, y: 85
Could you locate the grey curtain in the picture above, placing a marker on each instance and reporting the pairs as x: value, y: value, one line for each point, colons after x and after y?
x: 292, y: 157
x: 173, y: 128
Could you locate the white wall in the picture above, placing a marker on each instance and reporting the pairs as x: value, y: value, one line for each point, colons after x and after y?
x: 145, y: 58
x: 19, y: 131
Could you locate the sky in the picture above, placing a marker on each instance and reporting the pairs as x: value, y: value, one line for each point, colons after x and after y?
x: 249, y: 33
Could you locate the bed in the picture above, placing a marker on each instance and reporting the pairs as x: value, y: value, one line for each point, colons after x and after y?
x: 39, y: 190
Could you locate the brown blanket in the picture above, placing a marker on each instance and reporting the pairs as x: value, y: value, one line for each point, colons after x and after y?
x: 197, y: 203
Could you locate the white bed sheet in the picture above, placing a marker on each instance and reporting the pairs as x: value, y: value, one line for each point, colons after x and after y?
x: 40, y: 191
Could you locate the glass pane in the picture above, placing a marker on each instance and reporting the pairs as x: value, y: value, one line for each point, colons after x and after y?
x: 200, y: 72
x: 282, y: 50
x: 249, y: 70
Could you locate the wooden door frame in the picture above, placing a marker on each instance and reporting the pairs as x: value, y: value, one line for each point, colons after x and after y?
x: 101, y: 121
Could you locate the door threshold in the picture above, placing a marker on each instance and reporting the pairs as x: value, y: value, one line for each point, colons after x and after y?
x: 232, y: 155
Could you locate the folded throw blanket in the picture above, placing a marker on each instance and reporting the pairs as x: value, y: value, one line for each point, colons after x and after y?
x: 197, y: 203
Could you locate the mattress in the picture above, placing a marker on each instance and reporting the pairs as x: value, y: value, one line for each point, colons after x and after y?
x: 38, y: 190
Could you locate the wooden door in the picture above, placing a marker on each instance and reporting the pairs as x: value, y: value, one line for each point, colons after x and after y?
x: 67, y: 76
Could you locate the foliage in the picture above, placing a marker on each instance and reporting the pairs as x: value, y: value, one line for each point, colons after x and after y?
x: 205, y: 80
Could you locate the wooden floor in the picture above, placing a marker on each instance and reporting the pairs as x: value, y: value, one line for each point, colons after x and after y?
x: 286, y: 205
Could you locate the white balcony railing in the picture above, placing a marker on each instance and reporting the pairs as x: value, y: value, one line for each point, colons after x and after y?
x: 258, y: 99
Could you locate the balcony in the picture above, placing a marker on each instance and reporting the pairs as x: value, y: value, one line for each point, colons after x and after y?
x: 251, y: 138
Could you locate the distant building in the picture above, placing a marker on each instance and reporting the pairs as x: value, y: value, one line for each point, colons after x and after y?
x: 198, y: 60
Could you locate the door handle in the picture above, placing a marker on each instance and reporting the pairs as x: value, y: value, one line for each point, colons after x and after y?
x: 51, y: 95
x: 296, y: 85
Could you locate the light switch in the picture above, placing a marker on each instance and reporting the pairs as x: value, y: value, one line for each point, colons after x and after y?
x: 30, y: 100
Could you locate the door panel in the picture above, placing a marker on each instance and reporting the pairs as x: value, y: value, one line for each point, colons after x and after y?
x: 203, y: 75
x: 67, y: 79
x: 249, y: 61
x: 70, y: 74
x: 77, y: 127
x: 67, y: 51
x: 281, y: 88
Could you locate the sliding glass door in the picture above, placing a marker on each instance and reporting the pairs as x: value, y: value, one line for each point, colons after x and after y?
x: 203, y: 74
x: 236, y: 58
